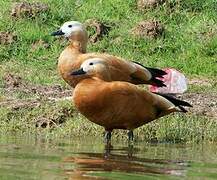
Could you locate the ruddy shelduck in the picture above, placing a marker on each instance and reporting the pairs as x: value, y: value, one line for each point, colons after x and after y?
x: 118, y: 104
x: 120, y: 70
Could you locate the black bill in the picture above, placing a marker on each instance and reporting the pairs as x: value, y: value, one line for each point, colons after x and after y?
x: 57, y: 33
x: 78, y: 72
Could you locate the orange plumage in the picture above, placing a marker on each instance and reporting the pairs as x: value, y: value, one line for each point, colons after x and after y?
x: 118, y: 105
x: 120, y: 70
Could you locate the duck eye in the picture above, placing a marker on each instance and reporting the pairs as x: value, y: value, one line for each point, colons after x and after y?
x: 91, y: 63
x: 69, y: 26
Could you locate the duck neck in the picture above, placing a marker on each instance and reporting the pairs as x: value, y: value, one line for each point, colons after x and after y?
x: 78, y: 41
x: 78, y: 46
x: 103, y: 76
x: 89, y: 81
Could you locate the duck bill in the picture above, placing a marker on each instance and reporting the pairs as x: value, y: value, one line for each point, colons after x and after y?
x: 57, y: 33
x: 78, y: 72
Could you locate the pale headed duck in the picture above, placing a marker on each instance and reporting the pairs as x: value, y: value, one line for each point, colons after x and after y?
x: 121, y: 70
x: 117, y: 104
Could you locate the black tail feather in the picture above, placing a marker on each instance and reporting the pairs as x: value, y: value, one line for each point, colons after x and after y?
x: 155, y: 73
x: 177, y: 102
x: 182, y: 109
x: 158, y: 82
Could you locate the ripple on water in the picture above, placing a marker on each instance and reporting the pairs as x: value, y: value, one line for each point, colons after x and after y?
x: 88, y: 159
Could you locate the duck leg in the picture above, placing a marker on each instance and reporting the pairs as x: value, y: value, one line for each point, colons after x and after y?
x: 107, y: 137
x: 130, y: 151
x: 107, y: 151
x: 130, y: 136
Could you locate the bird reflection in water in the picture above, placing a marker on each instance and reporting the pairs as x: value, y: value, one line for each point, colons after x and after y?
x: 120, y: 160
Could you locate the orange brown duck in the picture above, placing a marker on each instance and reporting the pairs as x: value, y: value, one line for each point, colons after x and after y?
x: 118, y: 104
x: 120, y: 70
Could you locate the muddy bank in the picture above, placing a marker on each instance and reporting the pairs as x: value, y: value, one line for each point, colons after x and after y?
x: 204, y: 104
x: 13, y: 83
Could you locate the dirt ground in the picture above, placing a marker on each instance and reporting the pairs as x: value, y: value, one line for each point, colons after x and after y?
x: 204, y: 104
x: 14, y: 84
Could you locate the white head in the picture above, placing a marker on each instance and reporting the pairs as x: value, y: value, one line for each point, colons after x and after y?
x: 69, y: 28
x: 93, y: 67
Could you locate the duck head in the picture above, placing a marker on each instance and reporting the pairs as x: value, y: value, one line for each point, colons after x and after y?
x: 75, y: 32
x: 94, y: 67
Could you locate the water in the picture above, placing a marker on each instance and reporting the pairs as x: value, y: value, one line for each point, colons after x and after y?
x: 87, y: 159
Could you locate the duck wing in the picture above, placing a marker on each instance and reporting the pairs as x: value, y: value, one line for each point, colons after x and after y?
x: 133, y: 72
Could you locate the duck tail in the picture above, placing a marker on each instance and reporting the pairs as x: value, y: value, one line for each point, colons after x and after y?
x: 177, y: 102
x: 157, y: 82
x: 155, y: 73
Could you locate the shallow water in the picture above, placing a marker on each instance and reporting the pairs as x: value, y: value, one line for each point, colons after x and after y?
x: 87, y: 159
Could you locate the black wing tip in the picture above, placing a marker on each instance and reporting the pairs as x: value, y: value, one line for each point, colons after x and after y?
x: 157, y: 82
x: 177, y: 102
x: 154, y: 71
x: 184, y: 103
x: 189, y: 105
x: 157, y: 72
x: 183, y: 109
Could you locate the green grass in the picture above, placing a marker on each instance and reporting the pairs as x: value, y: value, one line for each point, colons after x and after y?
x: 173, y: 128
x: 188, y: 44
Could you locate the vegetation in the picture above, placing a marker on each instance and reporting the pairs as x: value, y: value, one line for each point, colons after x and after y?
x: 189, y: 44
